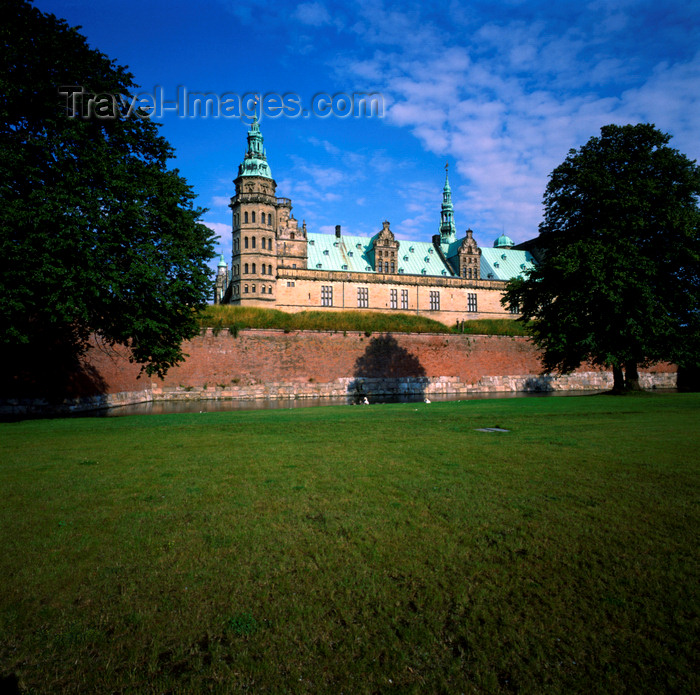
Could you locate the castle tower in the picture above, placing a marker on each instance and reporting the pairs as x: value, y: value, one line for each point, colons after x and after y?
x: 222, y: 281
x: 448, y: 231
x: 255, y: 222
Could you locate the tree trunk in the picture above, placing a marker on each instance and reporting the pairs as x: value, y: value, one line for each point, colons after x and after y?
x: 618, y: 380
x: 631, y: 376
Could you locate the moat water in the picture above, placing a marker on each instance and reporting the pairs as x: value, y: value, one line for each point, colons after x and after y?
x: 217, y: 406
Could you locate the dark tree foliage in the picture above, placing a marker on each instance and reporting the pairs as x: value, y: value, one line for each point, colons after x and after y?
x: 97, y: 235
x: 619, y: 284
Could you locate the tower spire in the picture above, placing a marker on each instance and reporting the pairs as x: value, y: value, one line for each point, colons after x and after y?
x: 255, y: 161
x: 448, y: 231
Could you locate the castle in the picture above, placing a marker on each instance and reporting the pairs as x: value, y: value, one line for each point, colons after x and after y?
x: 276, y: 263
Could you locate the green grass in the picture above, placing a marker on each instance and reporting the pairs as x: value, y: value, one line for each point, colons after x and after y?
x: 236, y: 318
x: 388, y: 548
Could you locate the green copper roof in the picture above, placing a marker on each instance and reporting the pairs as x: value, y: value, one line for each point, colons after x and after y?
x: 222, y: 262
x: 352, y: 254
x: 255, y: 160
x: 502, y: 241
x: 447, y: 213
x: 504, y: 264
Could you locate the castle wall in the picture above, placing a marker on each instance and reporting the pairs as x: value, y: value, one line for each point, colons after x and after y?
x: 300, y: 290
x: 300, y: 364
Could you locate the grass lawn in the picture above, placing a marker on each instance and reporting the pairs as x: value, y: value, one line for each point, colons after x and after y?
x: 235, y: 318
x: 389, y: 548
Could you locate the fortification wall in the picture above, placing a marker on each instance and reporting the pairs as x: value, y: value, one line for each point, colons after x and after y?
x: 301, y: 364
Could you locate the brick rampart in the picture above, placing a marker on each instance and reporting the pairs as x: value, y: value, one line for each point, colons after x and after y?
x: 272, y: 363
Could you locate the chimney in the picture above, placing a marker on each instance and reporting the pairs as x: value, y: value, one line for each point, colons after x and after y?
x: 337, y: 230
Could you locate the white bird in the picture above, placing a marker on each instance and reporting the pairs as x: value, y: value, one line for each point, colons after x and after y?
x: 365, y: 401
x: 426, y: 400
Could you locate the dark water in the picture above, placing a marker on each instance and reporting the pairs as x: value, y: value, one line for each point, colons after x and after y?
x: 217, y: 406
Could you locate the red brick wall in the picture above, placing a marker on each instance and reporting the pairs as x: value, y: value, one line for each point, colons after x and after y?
x: 274, y: 356
x: 264, y: 356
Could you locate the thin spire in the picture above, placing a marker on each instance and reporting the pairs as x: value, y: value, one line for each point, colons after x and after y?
x: 448, y: 230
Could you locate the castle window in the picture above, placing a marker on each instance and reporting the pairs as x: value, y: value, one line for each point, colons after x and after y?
x: 245, y: 217
x: 326, y: 295
x: 404, y: 299
x: 262, y: 289
x: 392, y: 266
x: 394, y: 299
x: 514, y: 309
x: 252, y: 214
x: 386, y: 267
x: 252, y: 288
x: 245, y: 269
x: 291, y: 236
x: 269, y: 289
x: 362, y: 297
x: 262, y: 217
x: 269, y: 219
x: 252, y: 239
x: 290, y: 283
x: 434, y: 301
x: 471, y: 302
x: 245, y: 241
x: 269, y: 269
x: 245, y: 289
x: 253, y: 272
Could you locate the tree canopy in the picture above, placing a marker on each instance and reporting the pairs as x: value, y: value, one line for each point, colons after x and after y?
x: 97, y: 234
x: 619, y: 279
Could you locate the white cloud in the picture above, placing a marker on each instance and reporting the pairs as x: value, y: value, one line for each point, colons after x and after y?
x: 508, y: 102
x: 221, y: 201
x: 312, y: 13
x: 223, y: 230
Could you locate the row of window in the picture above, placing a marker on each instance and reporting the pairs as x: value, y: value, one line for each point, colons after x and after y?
x: 252, y: 289
x: 394, y: 299
x: 265, y: 269
x: 363, y: 298
x: 252, y: 218
x: 249, y: 242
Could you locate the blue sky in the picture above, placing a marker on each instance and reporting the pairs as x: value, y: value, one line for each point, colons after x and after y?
x: 499, y: 89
